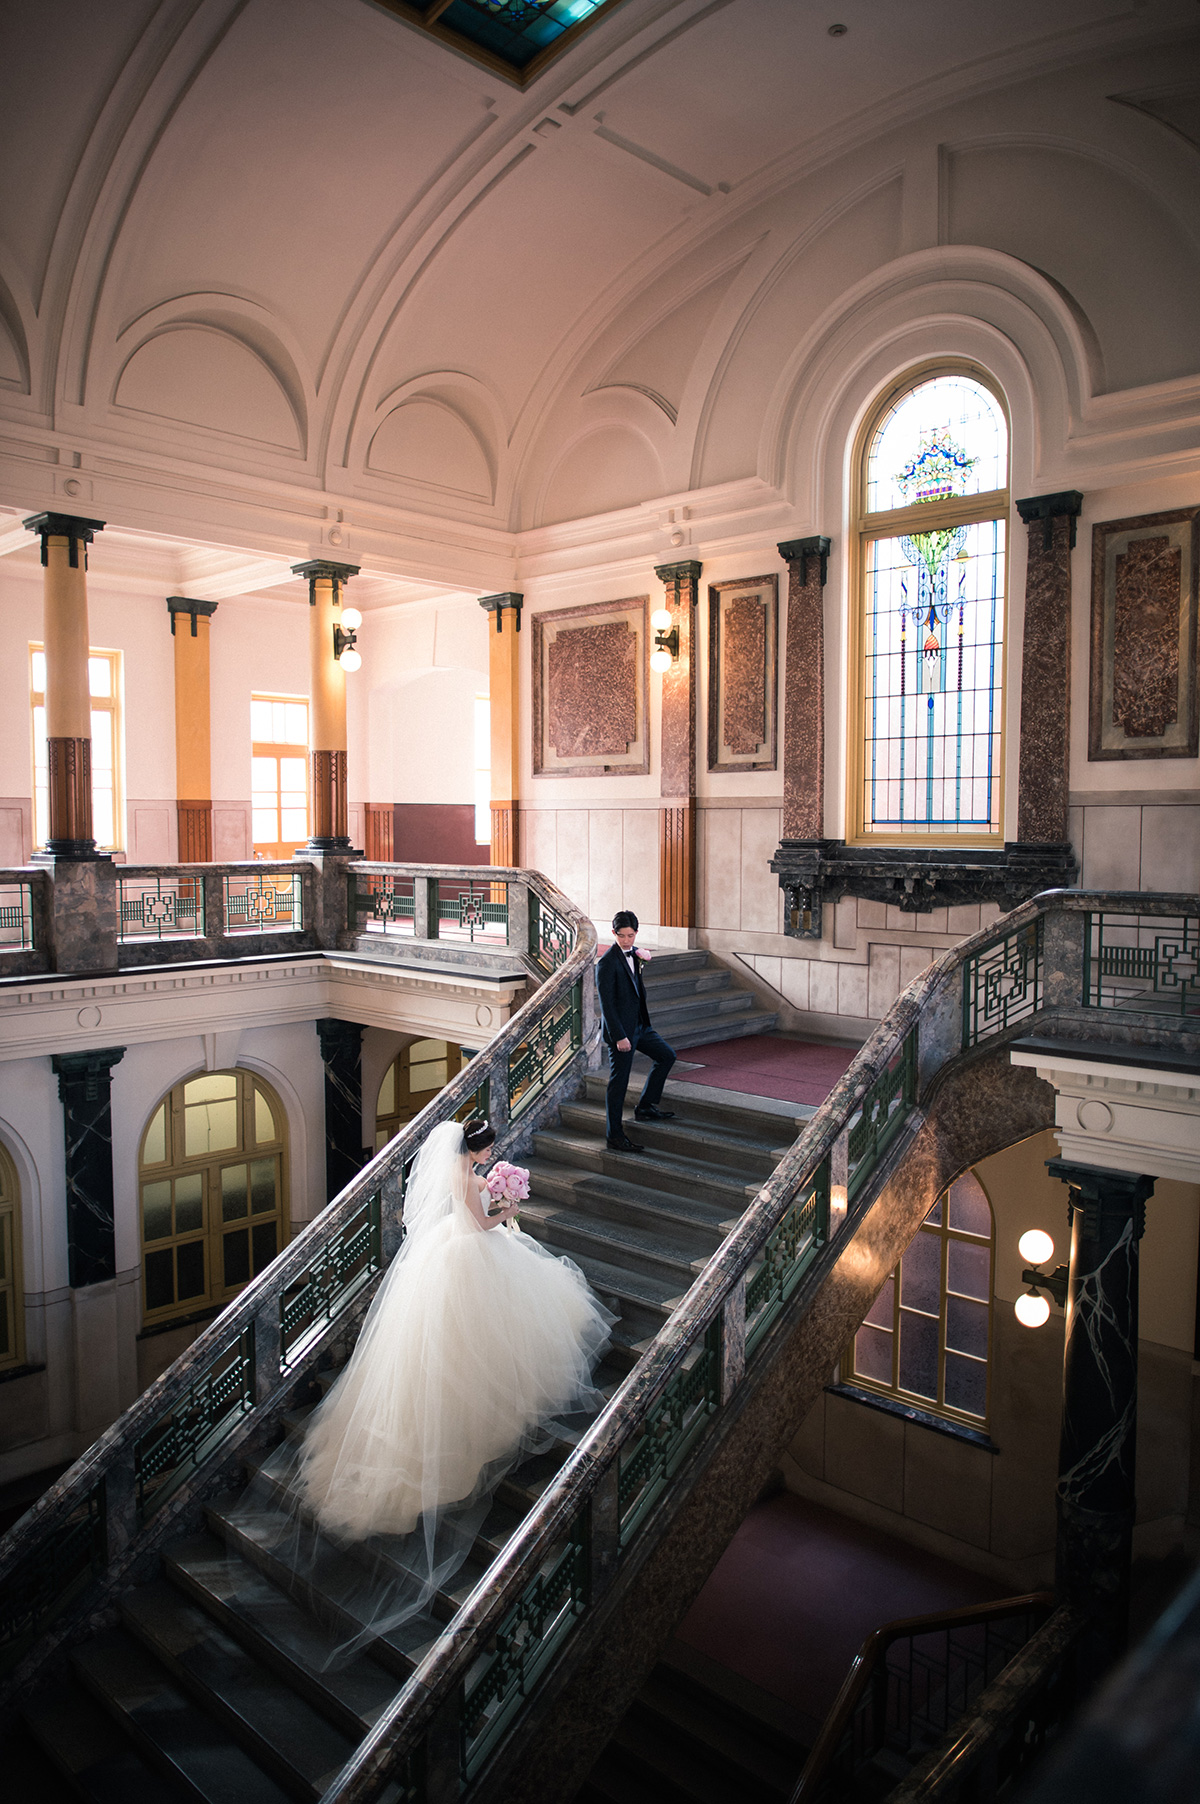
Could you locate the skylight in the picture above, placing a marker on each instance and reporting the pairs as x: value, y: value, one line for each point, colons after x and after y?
x: 516, y: 38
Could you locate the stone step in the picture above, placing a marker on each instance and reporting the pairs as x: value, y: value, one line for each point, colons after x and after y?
x: 278, y: 1728
x: 750, y: 1155
x: 279, y: 1633
x: 737, y: 1744
x: 645, y: 1301
x: 720, y: 1027
x: 678, y: 1011
x: 672, y: 1174
x: 618, y: 1199
x: 620, y: 1243
x: 763, y: 1123
x: 167, y: 1728
x: 695, y: 958
x: 662, y: 986
x: 87, y: 1748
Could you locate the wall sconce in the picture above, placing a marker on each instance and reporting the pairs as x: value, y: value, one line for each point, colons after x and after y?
x: 345, y: 632
x: 1032, y: 1309
x: 666, y: 640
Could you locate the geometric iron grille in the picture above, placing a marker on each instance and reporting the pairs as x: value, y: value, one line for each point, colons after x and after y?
x: 1150, y: 963
x: 1002, y: 984
x: 181, y: 1440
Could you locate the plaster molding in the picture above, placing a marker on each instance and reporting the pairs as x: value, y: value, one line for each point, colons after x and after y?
x: 1134, y: 1118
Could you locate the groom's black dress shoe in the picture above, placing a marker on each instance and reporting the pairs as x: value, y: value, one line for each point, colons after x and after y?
x: 650, y: 1113
x: 624, y: 1145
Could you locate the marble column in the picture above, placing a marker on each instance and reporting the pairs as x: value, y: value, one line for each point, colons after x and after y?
x: 677, y: 786
x: 84, y: 1086
x: 193, y: 727
x: 65, y: 540
x: 341, y: 1053
x: 804, y: 689
x: 1044, y: 769
x: 327, y: 719
x: 1095, y: 1495
x: 504, y: 669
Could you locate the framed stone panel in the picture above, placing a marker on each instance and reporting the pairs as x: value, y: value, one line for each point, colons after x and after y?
x: 743, y: 640
x: 590, y: 679
x: 1142, y: 701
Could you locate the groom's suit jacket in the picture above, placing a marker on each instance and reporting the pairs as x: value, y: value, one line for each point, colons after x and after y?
x: 622, y: 1002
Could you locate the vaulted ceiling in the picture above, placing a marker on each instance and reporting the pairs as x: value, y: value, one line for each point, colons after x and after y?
x: 305, y: 253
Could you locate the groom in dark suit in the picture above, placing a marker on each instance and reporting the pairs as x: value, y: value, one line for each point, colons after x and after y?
x: 627, y: 1030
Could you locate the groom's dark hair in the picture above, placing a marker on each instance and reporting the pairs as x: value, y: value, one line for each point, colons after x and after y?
x: 624, y: 917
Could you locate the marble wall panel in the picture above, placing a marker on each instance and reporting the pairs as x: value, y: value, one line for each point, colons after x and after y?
x: 845, y: 924
x: 852, y: 990
x: 822, y: 987
x: 948, y: 1485
x: 963, y: 919
x: 539, y: 841
x: 231, y: 832
x: 871, y: 914
x: 640, y: 863
x: 589, y: 698
x: 883, y: 982
x: 605, y: 864
x: 864, y: 1452
x: 150, y: 840
x: 1112, y: 848
x: 1170, y: 848
x: 761, y: 895
x: 769, y: 970
x: 794, y: 973
x: 723, y: 867
x: 572, y: 836
x: 913, y: 960
x: 989, y: 912
x: 897, y: 921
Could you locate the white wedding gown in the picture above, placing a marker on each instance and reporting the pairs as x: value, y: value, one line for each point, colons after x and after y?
x: 475, y: 1340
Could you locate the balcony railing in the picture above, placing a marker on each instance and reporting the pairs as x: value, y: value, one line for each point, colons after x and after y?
x: 628, y: 1473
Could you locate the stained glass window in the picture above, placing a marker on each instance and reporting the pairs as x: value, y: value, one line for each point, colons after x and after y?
x: 934, y: 536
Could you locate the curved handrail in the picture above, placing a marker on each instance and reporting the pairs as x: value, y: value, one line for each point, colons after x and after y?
x: 866, y: 1662
x: 109, y: 1461
x: 935, y: 998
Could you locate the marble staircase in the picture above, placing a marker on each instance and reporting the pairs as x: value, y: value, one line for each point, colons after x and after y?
x: 213, y: 1685
x: 694, y: 1000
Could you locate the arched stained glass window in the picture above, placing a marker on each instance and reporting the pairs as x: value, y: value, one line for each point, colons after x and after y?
x: 930, y: 621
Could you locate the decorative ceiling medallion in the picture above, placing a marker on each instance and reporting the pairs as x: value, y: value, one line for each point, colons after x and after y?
x: 515, y: 38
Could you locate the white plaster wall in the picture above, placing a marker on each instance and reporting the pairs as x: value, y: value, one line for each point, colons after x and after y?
x: 413, y: 717
x: 257, y: 646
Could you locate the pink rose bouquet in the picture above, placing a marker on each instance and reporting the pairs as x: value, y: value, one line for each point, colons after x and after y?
x: 507, y: 1183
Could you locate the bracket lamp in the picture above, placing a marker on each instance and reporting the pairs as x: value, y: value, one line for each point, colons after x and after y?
x: 1032, y: 1308
x: 666, y: 640
x: 345, y: 632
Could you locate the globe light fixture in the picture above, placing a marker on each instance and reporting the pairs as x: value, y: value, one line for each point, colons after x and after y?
x: 351, y: 619
x: 1032, y: 1309
x: 350, y: 660
x: 660, y: 661
x: 666, y: 640
x: 1035, y: 1247
x: 660, y: 620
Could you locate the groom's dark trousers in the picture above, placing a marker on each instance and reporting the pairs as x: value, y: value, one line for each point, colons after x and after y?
x: 626, y: 1017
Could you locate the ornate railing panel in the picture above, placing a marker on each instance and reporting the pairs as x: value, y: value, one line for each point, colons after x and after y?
x: 340, y: 1267
x: 786, y: 1256
x: 389, y: 903
x: 1002, y: 983
x: 672, y: 1424
x: 50, y: 1574
x: 242, y: 1369
x: 188, y: 1432
x: 885, y: 1108
x: 16, y: 916
x: 1146, y: 963
x: 472, y: 911
x: 160, y: 908
x: 556, y: 1037
x: 263, y: 902
x: 523, y: 1645
x: 549, y: 936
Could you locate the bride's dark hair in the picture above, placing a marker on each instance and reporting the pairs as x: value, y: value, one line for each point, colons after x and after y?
x: 477, y: 1134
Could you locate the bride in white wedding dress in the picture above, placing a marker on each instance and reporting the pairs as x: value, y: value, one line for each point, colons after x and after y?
x: 477, y: 1337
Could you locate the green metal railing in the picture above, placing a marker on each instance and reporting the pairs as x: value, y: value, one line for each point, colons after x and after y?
x: 786, y: 1256
x: 472, y: 911
x: 194, y: 1427
x: 555, y: 1039
x: 16, y: 916
x: 389, y: 903
x: 549, y: 936
x: 261, y: 902
x: 1002, y: 983
x: 1142, y: 962
x: 671, y: 1426
x: 885, y: 1108
x: 160, y: 908
x: 340, y: 1267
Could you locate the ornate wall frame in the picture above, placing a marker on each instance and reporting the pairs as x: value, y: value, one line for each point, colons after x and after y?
x: 591, y: 670
x: 1142, y: 688
x: 743, y: 662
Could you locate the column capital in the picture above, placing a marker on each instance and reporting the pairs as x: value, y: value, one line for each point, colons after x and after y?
x: 675, y: 574
x: 184, y: 604
x: 337, y: 1037
x: 89, y: 1069
x: 496, y: 604
x: 317, y: 568
x: 817, y: 546
x: 71, y: 527
x: 1048, y: 508
x: 1104, y: 1197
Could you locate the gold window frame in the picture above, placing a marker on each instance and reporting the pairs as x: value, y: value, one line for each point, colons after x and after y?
x: 12, y: 1269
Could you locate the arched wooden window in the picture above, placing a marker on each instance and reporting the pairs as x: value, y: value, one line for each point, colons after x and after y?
x: 927, y: 1337
x: 12, y: 1278
x: 416, y: 1074
x: 213, y: 1186
x: 925, y: 755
